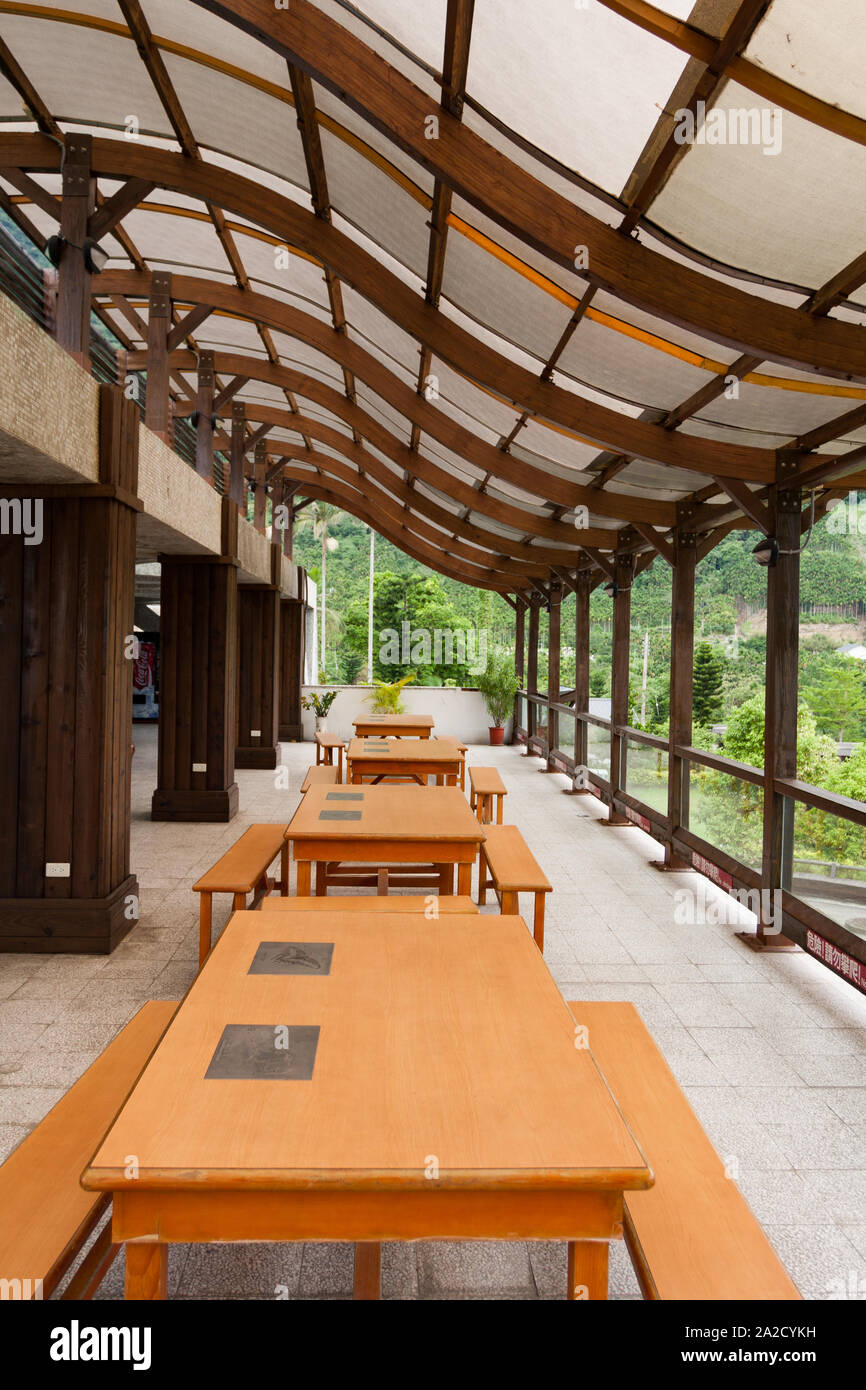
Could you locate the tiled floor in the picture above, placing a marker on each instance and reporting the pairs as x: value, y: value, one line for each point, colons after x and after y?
x: 771, y: 1051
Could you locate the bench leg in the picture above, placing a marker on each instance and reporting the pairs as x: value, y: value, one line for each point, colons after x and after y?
x: 446, y: 880
x: 382, y: 883
x: 482, y: 880
x: 587, y: 1269
x: 509, y: 904
x: 284, y: 870
x: 239, y: 903
x: 146, y: 1269
x: 538, y: 922
x: 205, y: 916
x: 464, y: 880
x: 499, y: 800
x: 303, y: 884
x: 93, y: 1268
x: 368, y: 1270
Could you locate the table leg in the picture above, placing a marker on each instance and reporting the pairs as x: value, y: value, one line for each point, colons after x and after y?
x: 587, y: 1269
x: 321, y: 879
x: 368, y: 1270
x: 464, y: 880
x: 303, y: 885
x: 538, y: 921
x: 499, y: 800
x: 146, y: 1270
x: 284, y: 869
x: 204, y: 927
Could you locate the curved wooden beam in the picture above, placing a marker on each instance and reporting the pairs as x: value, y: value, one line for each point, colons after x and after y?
x: 319, y: 239
x: 349, y: 500
x: 541, y: 217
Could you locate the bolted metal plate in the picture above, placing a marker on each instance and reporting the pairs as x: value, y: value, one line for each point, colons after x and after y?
x: 264, y: 1052
x: 344, y: 796
x: 292, y: 958
x: 339, y: 815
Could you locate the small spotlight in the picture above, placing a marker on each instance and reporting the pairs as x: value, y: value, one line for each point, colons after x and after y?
x: 95, y: 256
x: 54, y: 250
x: 766, y: 552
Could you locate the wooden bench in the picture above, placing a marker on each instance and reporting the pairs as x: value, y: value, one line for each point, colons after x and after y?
x: 322, y: 775
x: 692, y: 1235
x: 326, y: 746
x: 47, y: 1216
x: 371, y: 902
x: 486, y: 786
x: 242, y: 869
x: 513, y: 869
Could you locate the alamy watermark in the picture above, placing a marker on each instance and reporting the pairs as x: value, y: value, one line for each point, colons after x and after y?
x: 423, y: 646
x: 699, y: 907
x: 22, y: 516
x: 738, y: 125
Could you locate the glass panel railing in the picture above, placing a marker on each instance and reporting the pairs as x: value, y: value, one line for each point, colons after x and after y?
x: 522, y: 712
x: 728, y: 812
x: 598, y: 750
x: 647, y: 775
x: 566, y: 725
x: 828, y: 867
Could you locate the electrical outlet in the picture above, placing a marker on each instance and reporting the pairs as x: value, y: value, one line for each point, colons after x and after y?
x: 199, y: 767
x: 56, y: 870
x: 255, y: 733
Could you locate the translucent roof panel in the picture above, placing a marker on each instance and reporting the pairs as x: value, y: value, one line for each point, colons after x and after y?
x: 368, y: 198
x: 199, y: 32
x: 736, y: 201
x: 629, y: 367
x: 507, y: 302
x: 356, y: 23
x: 810, y: 45
x: 345, y: 124
x: 537, y: 67
x: 420, y: 28
x: 380, y: 335
x: 765, y: 408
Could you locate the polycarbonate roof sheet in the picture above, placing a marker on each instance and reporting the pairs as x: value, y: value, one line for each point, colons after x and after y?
x: 809, y: 44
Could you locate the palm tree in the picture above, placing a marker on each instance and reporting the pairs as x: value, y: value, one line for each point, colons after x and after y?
x: 321, y: 514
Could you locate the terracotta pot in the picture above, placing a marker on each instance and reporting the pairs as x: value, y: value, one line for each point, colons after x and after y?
x: 497, y: 734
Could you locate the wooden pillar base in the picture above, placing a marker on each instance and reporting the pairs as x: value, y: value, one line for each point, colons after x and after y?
x: 217, y: 806
x: 290, y: 733
x: 257, y: 757
x: 767, y: 945
x: 73, y: 926
x: 616, y: 822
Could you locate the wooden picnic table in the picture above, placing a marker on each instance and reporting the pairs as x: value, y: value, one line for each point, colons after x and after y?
x: 419, y: 758
x: 445, y: 1098
x: 394, y: 725
x: 421, y: 831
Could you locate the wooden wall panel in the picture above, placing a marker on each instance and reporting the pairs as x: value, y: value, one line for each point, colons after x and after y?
x: 258, y: 668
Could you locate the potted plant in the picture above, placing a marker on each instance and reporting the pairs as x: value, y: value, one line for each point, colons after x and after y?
x: 386, y: 698
x: 320, y: 703
x: 498, y: 684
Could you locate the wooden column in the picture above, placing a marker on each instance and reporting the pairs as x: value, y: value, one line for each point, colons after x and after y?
x: 553, y: 668
x: 292, y: 638
x: 289, y: 532
x: 258, y: 668
x: 198, y: 683
x: 260, y: 473
x: 582, y: 595
x: 619, y: 710
x: 204, y: 413
x: 681, y: 682
x: 157, y: 413
x: 74, y: 281
x: 237, y: 483
x: 66, y: 618
x: 519, y: 656
x: 780, y: 716
x: 532, y: 668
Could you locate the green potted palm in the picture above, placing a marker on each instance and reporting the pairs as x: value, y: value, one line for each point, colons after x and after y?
x: 498, y: 684
x: 386, y: 697
x: 320, y: 702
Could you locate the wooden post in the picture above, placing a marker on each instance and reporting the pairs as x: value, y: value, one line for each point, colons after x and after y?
x: 619, y: 709
x: 157, y: 415
x: 780, y: 717
x: 292, y: 624
x: 204, y: 411
x: 66, y: 656
x: 581, y: 677
x: 237, y: 485
x: 74, y: 281
x: 258, y: 635
x: 519, y: 656
x: 198, y: 685
x: 260, y: 473
x: 532, y: 669
x: 553, y: 669
x: 681, y: 682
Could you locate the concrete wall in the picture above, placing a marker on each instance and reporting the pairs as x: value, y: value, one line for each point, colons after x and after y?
x: 461, y: 713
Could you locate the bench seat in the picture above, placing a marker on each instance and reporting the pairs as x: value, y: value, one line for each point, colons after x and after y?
x: 322, y: 775
x: 513, y: 869
x: 371, y: 902
x: 242, y: 869
x: 326, y: 746
x: 691, y: 1236
x: 47, y: 1215
x: 485, y: 787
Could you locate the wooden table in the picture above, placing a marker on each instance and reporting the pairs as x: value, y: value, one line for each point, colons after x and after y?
x: 394, y: 725
x: 418, y: 758
x: 410, y: 827
x: 448, y: 1100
